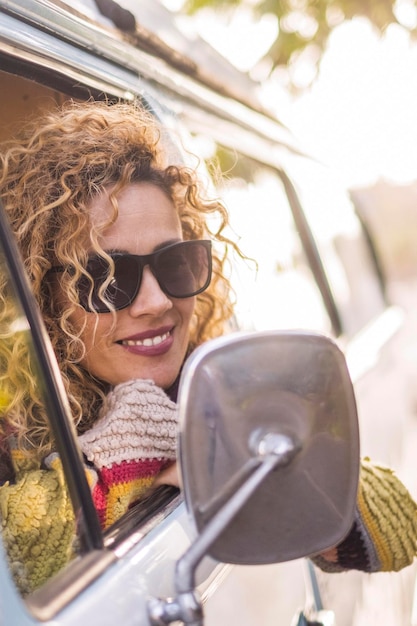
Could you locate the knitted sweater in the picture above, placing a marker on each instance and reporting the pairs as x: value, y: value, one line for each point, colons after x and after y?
x: 133, y: 440
x: 383, y: 537
x: 131, y: 443
x: 128, y: 446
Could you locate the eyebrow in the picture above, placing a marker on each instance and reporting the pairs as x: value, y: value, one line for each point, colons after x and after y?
x: 160, y: 246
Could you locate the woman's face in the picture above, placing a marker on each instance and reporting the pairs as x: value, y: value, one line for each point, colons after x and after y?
x: 150, y: 337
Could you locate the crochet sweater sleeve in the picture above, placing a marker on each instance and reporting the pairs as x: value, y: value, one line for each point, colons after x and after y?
x: 383, y: 537
x: 131, y: 443
x: 37, y: 519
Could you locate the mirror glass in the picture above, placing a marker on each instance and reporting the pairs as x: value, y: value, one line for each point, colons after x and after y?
x: 233, y: 392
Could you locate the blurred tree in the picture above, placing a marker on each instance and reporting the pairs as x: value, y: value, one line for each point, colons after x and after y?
x: 305, y: 25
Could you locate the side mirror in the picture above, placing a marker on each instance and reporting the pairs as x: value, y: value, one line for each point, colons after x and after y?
x: 269, y: 454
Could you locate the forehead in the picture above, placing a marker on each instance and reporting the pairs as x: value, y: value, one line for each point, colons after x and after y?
x: 146, y: 214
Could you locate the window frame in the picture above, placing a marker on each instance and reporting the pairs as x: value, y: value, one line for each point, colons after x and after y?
x: 56, y: 402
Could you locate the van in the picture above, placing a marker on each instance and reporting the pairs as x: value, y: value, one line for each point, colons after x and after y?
x: 318, y: 269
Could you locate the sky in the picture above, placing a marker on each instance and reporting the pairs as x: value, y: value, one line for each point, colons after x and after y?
x: 359, y: 115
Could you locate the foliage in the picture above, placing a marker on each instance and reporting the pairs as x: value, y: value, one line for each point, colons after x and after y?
x: 307, y: 24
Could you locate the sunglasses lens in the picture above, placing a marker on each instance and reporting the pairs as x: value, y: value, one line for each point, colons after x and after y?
x: 184, y: 269
x: 119, y: 291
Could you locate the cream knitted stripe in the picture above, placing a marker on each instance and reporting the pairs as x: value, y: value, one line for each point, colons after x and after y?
x: 140, y: 395
x: 138, y: 421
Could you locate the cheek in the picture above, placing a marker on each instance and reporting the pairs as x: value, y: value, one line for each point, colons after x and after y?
x: 188, y: 323
x: 186, y: 308
x: 92, y: 329
x: 96, y: 330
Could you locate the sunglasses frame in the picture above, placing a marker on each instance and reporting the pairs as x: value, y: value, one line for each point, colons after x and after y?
x: 141, y: 261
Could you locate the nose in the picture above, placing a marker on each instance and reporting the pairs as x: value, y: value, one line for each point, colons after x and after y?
x: 150, y: 298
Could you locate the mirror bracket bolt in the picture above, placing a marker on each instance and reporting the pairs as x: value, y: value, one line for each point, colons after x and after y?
x: 265, y: 443
x: 186, y: 607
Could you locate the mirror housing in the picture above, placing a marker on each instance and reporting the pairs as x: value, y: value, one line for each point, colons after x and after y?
x: 240, y: 390
x: 269, y: 455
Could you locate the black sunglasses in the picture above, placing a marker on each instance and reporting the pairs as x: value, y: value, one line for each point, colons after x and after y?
x: 182, y: 270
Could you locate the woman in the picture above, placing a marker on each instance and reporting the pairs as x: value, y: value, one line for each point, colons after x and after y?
x: 117, y: 244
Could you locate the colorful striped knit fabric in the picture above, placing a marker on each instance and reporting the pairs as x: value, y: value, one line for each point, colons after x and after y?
x: 133, y: 440
x: 131, y: 443
x: 117, y: 488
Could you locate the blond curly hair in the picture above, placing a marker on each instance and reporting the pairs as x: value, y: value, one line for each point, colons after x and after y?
x: 48, y: 177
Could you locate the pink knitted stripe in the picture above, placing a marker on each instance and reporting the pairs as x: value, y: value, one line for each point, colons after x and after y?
x: 127, y: 471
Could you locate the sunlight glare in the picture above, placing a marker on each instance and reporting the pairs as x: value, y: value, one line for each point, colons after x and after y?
x: 242, y: 39
x: 359, y: 116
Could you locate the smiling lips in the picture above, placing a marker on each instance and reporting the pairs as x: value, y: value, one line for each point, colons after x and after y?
x: 148, y: 341
x: 151, y: 345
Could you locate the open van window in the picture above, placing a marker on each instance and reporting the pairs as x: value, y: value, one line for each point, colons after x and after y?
x: 278, y: 289
x: 353, y: 270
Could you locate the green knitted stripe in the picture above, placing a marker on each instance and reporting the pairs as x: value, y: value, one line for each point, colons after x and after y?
x: 390, y: 515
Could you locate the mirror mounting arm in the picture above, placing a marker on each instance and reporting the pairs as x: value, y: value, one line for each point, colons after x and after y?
x: 272, y: 449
